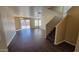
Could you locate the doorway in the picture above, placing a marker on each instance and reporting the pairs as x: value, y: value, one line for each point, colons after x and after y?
x: 25, y: 24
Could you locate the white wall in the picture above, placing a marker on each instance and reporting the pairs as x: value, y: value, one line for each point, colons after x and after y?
x: 31, y: 14
x: 58, y: 9
x: 7, y: 17
x: 3, y: 45
x: 24, y: 11
x: 15, y: 10
x: 49, y: 15
x: 66, y: 9
x: 34, y: 13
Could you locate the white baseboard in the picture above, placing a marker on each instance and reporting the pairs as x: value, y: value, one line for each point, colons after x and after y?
x: 64, y: 41
x: 58, y: 42
x: 69, y: 42
x: 18, y: 29
x: 11, y: 39
x: 22, y: 29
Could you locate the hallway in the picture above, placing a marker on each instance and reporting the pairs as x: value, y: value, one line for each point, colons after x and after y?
x: 33, y: 40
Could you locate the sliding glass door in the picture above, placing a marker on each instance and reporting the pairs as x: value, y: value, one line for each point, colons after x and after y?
x: 25, y: 24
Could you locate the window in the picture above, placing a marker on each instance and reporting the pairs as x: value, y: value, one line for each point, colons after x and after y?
x: 37, y: 23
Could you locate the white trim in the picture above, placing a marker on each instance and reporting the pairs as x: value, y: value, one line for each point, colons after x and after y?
x: 11, y: 39
x: 69, y: 42
x: 56, y: 43
x: 18, y: 29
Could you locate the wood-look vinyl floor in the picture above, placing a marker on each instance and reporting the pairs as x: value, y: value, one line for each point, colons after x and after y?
x: 33, y: 40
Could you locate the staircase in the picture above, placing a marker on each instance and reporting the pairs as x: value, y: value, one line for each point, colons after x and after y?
x: 51, y: 25
x: 51, y: 35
